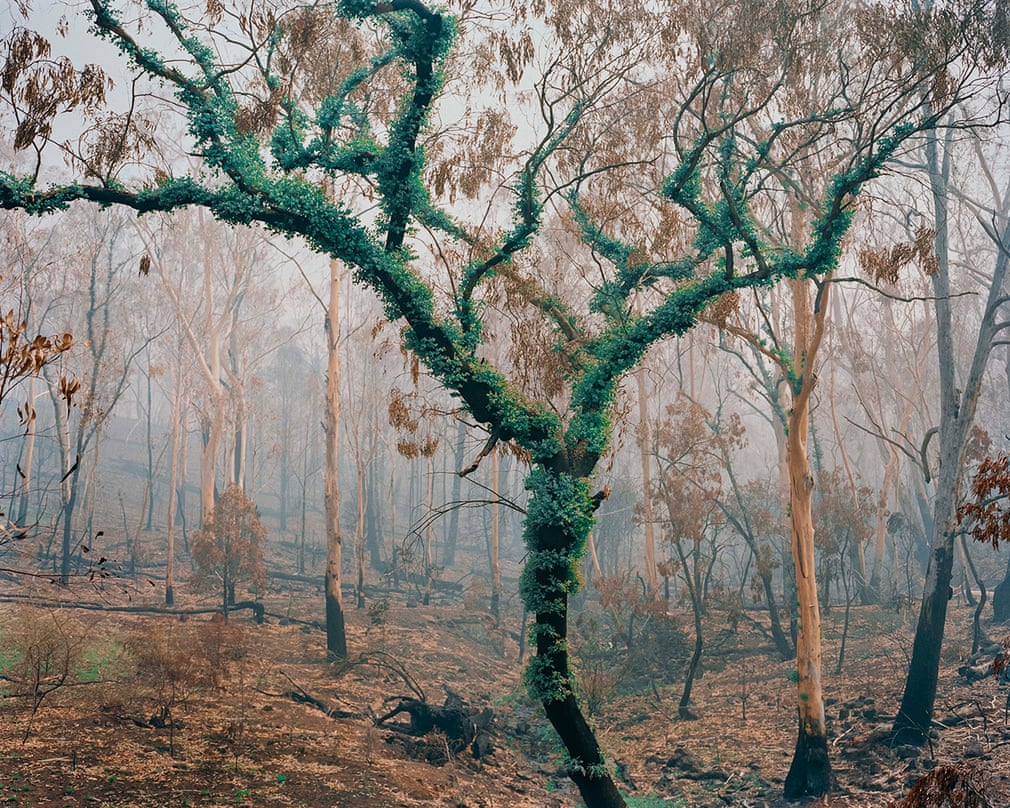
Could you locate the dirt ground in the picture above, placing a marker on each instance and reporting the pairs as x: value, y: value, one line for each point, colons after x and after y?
x: 238, y: 730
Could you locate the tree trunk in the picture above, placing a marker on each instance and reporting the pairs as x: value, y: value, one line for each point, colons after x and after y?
x: 916, y: 712
x: 373, y: 523
x: 558, y: 522
x: 29, y: 460
x: 149, y: 426
x: 212, y: 430
x: 957, y: 413
x: 645, y: 452
x: 873, y: 591
x: 495, y: 555
x: 693, y: 581
x: 810, y: 771
x: 173, y: 481
x: 359, y: 535
x: 452, y: 534
x: 336, y: 637
x: 1001, y: 598
x: 284, y: 463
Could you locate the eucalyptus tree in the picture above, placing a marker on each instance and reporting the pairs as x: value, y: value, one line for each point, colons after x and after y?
x: 972, y: 187
x: 703, y: 169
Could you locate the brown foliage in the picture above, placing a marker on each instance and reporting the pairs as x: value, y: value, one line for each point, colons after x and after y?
x: 986, y: 510
x: 39, y: 86
x: 885, y: 265
x: 229, y: 548
x: 22, y: 357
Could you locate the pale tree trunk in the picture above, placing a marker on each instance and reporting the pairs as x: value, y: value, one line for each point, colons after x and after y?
x: 645, y: 452
x: 149, y: 427
x: 207, y: 357
x: 853, y: 491
x: 29, y: 460
x: 429, y: 502
x: 67, y: 490
x: 495, y: 556
x: 880, y: 527
x: 236, y: 373
x: 789, y: 596
x: 359, y: 534
x: 336, y: 638
x: 452, y: 535
x: 810, y: 772
x: 241, y: 439
x: 213, y: 427
x: 173, y: 481
x: 593, y: 557
x: 180, y: 488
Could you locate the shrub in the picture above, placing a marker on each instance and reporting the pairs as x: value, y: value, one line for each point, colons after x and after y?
x: 229, y: 547
x: 41, y: 650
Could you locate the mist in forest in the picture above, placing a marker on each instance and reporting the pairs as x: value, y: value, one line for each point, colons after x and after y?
x: 541, y: 405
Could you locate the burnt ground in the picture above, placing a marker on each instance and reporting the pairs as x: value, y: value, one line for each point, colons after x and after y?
x: 236, y: 732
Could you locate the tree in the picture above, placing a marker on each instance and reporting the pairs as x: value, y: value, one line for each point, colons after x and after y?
x: 708, y: 168
x: 688, y: 484
x: 958, y: 397
x: 24, y: 352
x: 229, y: 547
x: 810, y: 772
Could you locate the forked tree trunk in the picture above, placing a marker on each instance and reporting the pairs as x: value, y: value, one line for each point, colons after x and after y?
x: 336, y: 637
x: 810, y: 771
x: 957, y: 413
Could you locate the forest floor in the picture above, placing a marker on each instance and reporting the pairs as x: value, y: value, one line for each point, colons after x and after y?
x: 168, y: 712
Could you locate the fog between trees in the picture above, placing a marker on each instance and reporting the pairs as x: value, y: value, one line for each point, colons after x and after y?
x: 706, y: 317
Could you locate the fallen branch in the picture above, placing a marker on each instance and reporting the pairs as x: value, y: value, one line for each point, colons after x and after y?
x: 54, y: 603
x: 302, y: 696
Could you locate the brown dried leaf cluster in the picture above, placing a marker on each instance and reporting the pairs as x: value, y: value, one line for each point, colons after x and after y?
x: 21, y: 358
x: 885, y: 265
x: 987, y: 509
x: 39, y: 86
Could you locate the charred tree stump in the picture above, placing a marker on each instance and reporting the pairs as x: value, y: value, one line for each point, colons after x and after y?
x: 462, y: 726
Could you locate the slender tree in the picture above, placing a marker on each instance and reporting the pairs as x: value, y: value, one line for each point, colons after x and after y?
x: 958, y: 402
